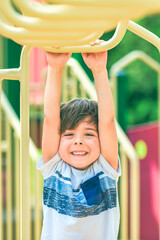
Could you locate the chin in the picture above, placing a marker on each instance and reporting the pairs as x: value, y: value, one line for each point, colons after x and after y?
x: 81, y: 167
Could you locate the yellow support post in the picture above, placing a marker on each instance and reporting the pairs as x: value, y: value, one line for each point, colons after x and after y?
x: 38, y: 207
x: 124, y: 195
x: 1, y: 173
x: 17, y: 186
x: 159, y: 141
x: 135, y: 201
x: 9, y: 183
x: 24, y: 147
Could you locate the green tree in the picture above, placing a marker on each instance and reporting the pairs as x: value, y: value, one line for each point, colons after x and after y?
x: 142, y: 92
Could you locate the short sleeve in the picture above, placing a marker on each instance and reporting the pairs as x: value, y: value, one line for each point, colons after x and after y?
x: 50, y: 167
x: 108, y: 168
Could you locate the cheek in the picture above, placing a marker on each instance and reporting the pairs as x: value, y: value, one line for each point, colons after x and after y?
x: 95, y: 145
x: 63, y: 146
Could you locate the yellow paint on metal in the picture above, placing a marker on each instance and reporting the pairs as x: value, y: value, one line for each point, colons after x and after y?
x: 9, y: 183
x: 38, y: 205
x: 159, y: 139
x: 71, y: 11
x: 25, y: 211
x: 1, y: 172
x: 124, y: 195
x: 144, y: 33
x: 17, y: 185
x: 135, y: 200
x: 72, y: 27
x: 113, y: 3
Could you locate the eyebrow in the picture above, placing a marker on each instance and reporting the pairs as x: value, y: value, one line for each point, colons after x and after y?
x: 91, y: 129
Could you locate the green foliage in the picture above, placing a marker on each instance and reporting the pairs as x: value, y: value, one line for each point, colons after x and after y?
x: 142, y: 91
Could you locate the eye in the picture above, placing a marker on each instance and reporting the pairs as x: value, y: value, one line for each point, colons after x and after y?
x: 89, y: 134
x: 68, y: 134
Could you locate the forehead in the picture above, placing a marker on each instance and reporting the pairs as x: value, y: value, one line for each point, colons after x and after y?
x: 86, y: 123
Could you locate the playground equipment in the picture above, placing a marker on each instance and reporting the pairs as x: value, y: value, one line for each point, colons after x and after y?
x: 70, y: 25
x: 75, y: 83
x: 64, y: 26
x: 116, y: 68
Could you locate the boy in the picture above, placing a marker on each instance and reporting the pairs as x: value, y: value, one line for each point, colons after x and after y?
x: 80, y: 158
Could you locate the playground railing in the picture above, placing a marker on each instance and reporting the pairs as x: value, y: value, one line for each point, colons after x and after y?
x: 10, y: 171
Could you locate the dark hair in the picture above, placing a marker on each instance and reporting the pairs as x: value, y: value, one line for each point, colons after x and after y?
x: 74, y: 111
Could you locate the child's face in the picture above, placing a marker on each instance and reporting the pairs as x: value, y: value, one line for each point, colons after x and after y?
x: 80, y: 147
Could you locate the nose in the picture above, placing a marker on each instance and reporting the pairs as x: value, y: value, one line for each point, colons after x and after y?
x: 78, y: 143
x: 78, y: 140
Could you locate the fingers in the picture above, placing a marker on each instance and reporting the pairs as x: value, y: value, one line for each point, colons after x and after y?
x: 85, y: 54
x: 58, y: 54
x: 97, y: 42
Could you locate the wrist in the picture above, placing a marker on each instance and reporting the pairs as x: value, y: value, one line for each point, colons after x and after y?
x: 99, y: 71
x: 55, y: 68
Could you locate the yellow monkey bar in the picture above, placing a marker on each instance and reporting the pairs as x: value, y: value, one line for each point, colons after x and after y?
x: 69, y: 26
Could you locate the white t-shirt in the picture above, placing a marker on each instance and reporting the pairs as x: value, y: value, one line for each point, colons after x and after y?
x: 79, y: 204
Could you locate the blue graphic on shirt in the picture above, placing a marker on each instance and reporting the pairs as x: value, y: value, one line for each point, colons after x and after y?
x: 93, y: 196
x: 92, y: 191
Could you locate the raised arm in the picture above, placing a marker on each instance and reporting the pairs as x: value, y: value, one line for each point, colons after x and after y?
x: 52, y: 101
x: 107, y: 131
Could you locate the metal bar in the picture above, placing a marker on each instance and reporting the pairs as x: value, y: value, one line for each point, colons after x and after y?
x: 94, y: 11
x: 17, y: 185
x: 124, y: 196
x: 1, y: 172
x: 4, y: 145
x: 12, y: 73
x: 24, y: 147
x: 113, y: 3
x: 111, y: 43
x: 15, y: 33
x: 64, y: 15
x: 135, y: 201
x: 159, y: 144
x: 144, y: 33
x: 9, y: 183
x: 131, y: 57
x: 38, y: 206
x: 40, y: 42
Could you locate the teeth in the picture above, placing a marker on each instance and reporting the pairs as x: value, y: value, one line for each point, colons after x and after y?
x: 79, y: 153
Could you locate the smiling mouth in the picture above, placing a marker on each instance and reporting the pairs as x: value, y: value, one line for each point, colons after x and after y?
x: 79, y: 153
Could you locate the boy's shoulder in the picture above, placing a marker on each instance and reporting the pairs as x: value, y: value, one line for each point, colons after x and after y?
x: 56, y: 166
